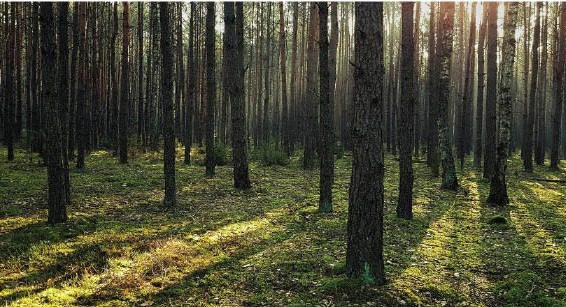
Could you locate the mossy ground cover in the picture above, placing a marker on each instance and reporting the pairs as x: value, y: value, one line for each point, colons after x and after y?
x: 269, y: 245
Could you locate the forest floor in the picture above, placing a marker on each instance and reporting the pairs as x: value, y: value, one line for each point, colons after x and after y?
x: 269, y: 245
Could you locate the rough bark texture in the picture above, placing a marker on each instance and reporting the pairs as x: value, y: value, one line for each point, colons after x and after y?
x: 540, y: 129
x: 310, y: 111
x: 478, y: 145
x: 140, y: 72
x: 241, y: 176
x: 167, y: 96
x: 406, y: 114
x: 81, y: 125
x: 326, y: 116
x: 467, y: 99
x: 9, y: 107
x: 558, y: 89
x: 529, y: 125
x: 63, y: 88
x: 433, y: 146
x: 498, y: 186
x: 57, y: 193
x: 444, y: 52
x: 364, y: 256
x: 124, y: 86
x: 210, y: 88
x: 491, y: 92
x: 283, y: 64
x: 191, y: 96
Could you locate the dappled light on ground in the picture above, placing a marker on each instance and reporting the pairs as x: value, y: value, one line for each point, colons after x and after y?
x: 269, y: 245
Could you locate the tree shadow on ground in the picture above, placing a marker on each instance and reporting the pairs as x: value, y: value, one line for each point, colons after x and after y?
x: 517, y: 273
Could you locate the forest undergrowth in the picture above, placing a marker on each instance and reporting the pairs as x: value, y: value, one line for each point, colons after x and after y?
x: 269, y: 245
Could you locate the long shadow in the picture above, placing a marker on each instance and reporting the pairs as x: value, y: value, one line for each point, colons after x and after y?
x: 19, y: 241
x: 86, y: 259
x: 517, y: 276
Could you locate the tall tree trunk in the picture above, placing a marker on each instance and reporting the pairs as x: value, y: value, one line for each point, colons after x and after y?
x: 558, y: 80
x: 57, y: 188
x: 124, y: 86
x: 141, y: 123
x: 406, y: 112
x: 445, y: 38
x: 191, y: 97
x: 81, y: 125
x: 433, y: 146
x: 167, y: 98
x: 9, y: 114
x: 63, y: 90
x: 210, y: 88
x: 283, y: 63
x: 416, y: 79
x: 478, y: 146
x: 491, y: 92
x: 310, y: 112
x: 326, y: 116
x: 467, y: 98
x: 293, y: 82
x: 73, y: 84
x: 235, y: 31
x: 498, y: 187
x: 541, y: 101
x: 364, y: 254
x: 529, y: 125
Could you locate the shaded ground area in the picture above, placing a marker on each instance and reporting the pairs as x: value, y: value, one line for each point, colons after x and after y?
x: 269, y: 246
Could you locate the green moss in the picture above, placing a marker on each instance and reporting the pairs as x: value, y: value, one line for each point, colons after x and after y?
x: 270, y: 245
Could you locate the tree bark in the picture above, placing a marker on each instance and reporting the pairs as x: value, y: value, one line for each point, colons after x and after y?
x: 558, y: 81
x: 310, y: 112
x: 124, y: 86
x: 57, y: 193
x: 467, y: 99
x: 210, y: 88
x: 191, y: 96
x: 406, y: 114
x: 326, y: 116
x: 364, y: 255
x: 478, y: 146
x: 167, y: 98
x: 529, y: 125
x: 491, y: 92
x: 433, y: 145
x: 445, y: 38
x: 498, y: 187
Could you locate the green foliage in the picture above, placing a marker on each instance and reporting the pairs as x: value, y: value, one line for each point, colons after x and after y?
x: 272, y: 154
x: 221, y: 154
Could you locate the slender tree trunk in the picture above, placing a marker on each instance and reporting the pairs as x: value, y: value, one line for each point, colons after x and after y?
x: 541, y: 101
x: 433, y: 145
x: 81, y: 125
x: 293, y: 82
x: 63, y: 90
x: 56, y: 171
x: 235, y: 31
x: 210, y: 88
x: 467, y: 99
x: 191, y: 97
x: 406, y: 118
x: 491, y: 92
x: 167, y: 98
x: 478, y: 146
x: 326, y: 116
x: 9, y: 114
x: 498, y: 186
x: 141, y: 123
x: 445, y: 38
x: 310, y: 112
x: 364, y: 255
x: 529, y: 125
x: 283, y: 63
x: 558, y: 90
